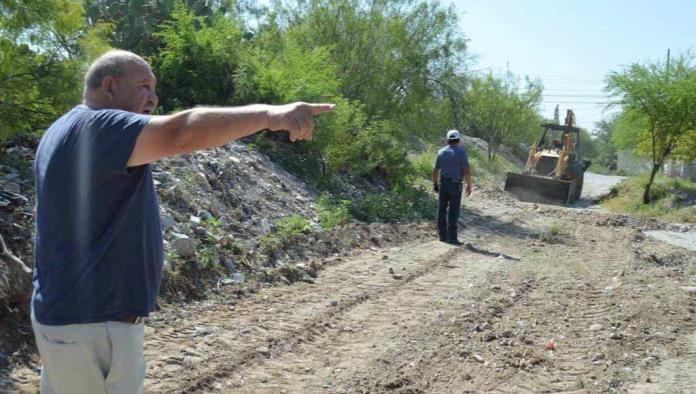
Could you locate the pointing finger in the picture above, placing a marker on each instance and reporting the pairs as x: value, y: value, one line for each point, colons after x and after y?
x: 307, y: 128
x: 316, y: 109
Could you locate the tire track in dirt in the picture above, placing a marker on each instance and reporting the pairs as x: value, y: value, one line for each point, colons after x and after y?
x: 675, y: 375
x: 302, y: 317
x: 566, y: 307
x: 369, y: 334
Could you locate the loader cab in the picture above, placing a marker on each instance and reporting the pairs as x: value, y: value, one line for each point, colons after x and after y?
x: 554, y: 136
x: 554, y: 171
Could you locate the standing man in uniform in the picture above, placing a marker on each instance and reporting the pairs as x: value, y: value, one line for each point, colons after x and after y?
x: 451, y: 167
x: 98, y: 236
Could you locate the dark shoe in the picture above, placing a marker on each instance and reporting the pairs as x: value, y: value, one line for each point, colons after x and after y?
x: 443, y: 239
x: 455, y: 242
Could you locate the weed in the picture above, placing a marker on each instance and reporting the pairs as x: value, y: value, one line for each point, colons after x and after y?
x: 646, y: 329
x: 552, y: 235
x: 692, y: 271
x: 332, y: 212
x: 293, y: 225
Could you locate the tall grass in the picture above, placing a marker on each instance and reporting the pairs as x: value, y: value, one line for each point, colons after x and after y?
x: 673, y: 199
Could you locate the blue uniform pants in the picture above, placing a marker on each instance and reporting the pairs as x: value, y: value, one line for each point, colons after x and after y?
x: 450, y: 196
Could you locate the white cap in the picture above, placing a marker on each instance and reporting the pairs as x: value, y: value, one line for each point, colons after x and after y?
x: 452, y: 135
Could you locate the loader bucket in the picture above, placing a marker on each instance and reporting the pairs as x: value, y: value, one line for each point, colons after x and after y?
x: 539, y: 189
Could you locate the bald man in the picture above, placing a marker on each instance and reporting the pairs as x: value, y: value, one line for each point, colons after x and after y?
x: 98, y: 236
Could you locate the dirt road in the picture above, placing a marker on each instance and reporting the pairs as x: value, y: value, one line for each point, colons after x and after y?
x: 541, y: 299
x: 597, y: 185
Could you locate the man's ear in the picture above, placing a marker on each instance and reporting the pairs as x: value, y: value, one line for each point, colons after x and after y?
x: 109, y: 86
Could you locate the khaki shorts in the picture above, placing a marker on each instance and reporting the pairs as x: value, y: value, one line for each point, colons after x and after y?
x: 91, y: 358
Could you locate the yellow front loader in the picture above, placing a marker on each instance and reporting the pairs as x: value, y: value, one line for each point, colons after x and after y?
x: 555, y: 170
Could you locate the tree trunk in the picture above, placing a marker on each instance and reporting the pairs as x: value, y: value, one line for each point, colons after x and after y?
x: 646, y: 194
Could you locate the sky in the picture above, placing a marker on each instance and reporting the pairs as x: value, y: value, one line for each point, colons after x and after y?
x: 572, y: 45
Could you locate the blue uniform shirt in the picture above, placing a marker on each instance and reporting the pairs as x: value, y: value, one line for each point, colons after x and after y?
x: 451, y: 161
x: 98, y: 241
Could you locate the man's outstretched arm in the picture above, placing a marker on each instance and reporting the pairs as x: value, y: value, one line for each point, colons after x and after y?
x: 201, y: 128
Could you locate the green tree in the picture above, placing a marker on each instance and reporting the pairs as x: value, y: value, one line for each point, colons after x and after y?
x: 606, y: 150
x: 499, y: 114
x: 201, y: 61
x: 660, y: 98
x: 44, y: 47
x: 135, y: 22
x: 400, y: 58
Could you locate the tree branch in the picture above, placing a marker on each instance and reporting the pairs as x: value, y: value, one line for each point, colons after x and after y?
x: 12, y: 257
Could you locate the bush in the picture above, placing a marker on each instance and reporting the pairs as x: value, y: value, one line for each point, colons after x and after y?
x: 332, y: 212
x: 423, y: 164
x: 293, y: 225
x: 405, y: 203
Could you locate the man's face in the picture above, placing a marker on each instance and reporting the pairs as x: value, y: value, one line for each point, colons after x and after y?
x: 135, y: 91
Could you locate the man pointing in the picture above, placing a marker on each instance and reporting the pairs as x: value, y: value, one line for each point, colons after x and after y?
x: 98, y: 237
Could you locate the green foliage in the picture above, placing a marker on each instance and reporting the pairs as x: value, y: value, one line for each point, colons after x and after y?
x: 404, y: 203
x: 332, y: 212
x: 497, y: 113
x: 671, y: 199
x: 291, y: 73
x: 659, y: 100
x: 606, y: 154
x: 43, y: 49
x: 293, y: 225
x: 423, y: 163
x: 199, y: 62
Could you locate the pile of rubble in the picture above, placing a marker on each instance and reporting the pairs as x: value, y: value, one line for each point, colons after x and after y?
x: 219, y: 213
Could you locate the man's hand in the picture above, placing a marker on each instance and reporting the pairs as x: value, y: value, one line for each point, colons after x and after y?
x: 436, y: 187
x: 468, y: 189
x: 297, y: 118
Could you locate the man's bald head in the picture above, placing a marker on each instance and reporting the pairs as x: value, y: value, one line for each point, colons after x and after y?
x: 121, y: 80
x: 114, y: 63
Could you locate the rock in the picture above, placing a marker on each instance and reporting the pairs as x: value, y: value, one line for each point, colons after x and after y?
x: 229, y: 265
x: 491, y: 336
x: 479, y: 359
x: 397, y: 276
x: 689, y: 289
x: 184, y: 246
x: 595, y: 327
x: 597, y: 357
x: 391, y: 270
x: 334, y: 303
x: 201, y: 331
x: 238, y: 278
x: 11, y: 176
x: 194, y: 219
x: 263, y: 350
x: 13, y: 187
x: 616, y: 335
x: 167, y: 221
x: 265, y: 226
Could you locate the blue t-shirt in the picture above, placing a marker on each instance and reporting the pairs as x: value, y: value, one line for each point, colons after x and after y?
x: 451, y: 161
x: 98, y: 241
